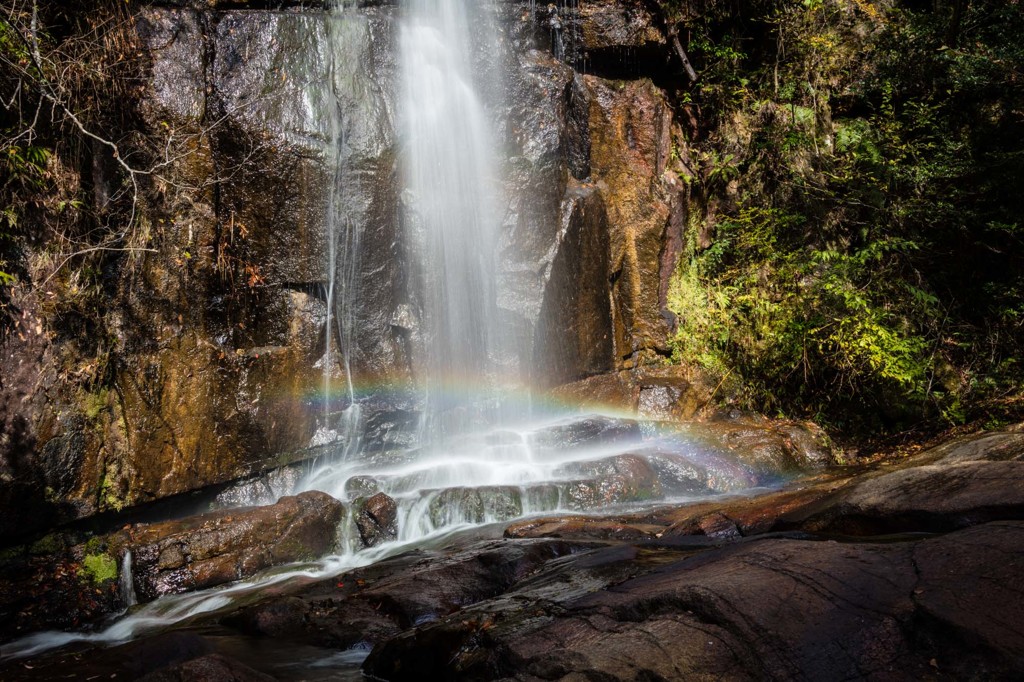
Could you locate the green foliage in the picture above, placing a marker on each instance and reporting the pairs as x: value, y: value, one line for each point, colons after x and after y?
x: 866, y: 265
x: 23, y: 169
x: 110, y: 493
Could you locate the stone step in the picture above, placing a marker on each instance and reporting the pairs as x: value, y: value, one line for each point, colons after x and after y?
x: 488, y: 504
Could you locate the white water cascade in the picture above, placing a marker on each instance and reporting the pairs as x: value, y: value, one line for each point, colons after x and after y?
x: 451, y: 179
x: 470, y: 433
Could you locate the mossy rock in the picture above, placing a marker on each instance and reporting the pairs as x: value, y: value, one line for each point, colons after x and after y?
x: 49, y: 544
x: 98, y: 568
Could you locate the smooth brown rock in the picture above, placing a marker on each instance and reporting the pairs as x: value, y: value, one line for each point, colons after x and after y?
x: 211, y: 549
x: 991, y: 446
x: 375, y: 603
x: 969, y: 582
x: 927, y: 498
x: 582, y: 528
x: 377, y: 519
x: 767, y: 609
x: 630, y: 137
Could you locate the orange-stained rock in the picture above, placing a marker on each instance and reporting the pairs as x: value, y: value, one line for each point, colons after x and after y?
x: 630, y: 147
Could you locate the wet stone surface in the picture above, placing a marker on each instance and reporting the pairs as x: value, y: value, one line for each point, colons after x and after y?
x: 220, y: 547
x: 767, y: 586
x: 376, y: 519
x: 588, y: 432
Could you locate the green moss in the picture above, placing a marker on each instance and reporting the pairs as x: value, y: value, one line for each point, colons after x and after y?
x: 94, y: 545
x: 95, y: 403
x: 12, y: 554
x: 50, y: 544
x: 98, y: 568
x: 110, y: 496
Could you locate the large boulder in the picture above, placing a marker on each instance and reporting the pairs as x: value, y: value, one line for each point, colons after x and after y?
x: 475, y: 505
x: 769, y: 609
x: 219, y: 547
x: 612, y: 480
x: 69, y: 579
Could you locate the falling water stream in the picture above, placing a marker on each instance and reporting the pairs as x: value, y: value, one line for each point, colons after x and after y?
x: 451, y: 179
x: 342, y: 418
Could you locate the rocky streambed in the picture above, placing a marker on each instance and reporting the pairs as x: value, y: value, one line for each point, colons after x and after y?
x: 901, y: 569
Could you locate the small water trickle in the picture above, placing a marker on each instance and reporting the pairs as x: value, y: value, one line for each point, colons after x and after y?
x: 126, y: 581
x: 563, y: 21
x: 342, y: 419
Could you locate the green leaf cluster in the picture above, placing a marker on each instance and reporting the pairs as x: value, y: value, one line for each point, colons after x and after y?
x: 865, y: 263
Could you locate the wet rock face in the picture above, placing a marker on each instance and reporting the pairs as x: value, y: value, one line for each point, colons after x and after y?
x: 552, y: 282
x: 478, y: 505
x: 263, y: 490
x: 215, y: 548
x: 586, y: 432
x: 220, y: 330
x: 617, y: 24
x: 573, y: 334
x: 614, y: 480
x: 377, y: 519
x: 67, y: 580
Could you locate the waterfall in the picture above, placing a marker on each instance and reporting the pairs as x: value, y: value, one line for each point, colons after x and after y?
x: 126, y: 583
x: 451, y: 180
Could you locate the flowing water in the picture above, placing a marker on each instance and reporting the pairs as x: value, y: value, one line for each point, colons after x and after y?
x: 126, y: 581
x: 451, y: 180
x: 452, y: 220
x: 342, y: 418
